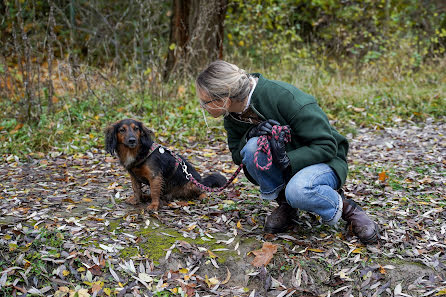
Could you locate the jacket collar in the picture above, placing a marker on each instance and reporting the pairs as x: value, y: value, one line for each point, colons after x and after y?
x: 254, y: 98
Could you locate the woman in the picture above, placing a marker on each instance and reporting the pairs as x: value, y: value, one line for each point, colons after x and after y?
x: 307, y: 171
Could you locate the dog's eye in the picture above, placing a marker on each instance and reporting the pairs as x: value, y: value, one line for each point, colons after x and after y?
x: 122, y: 130
x: 136, y: 129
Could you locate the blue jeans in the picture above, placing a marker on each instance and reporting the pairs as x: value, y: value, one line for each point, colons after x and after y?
x: 311, y: 189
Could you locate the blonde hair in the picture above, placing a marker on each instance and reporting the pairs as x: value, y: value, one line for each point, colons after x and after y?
x: 221, y: 79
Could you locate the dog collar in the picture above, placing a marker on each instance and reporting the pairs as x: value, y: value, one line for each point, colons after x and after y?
x: 151, y: 151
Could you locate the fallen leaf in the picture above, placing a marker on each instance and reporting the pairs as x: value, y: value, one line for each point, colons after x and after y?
x: 382, y: 176
x: 264, y: 255
x: 316, y: 250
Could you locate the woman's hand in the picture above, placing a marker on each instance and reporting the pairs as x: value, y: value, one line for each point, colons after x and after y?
x: 264, y: 128
x: 280, y: 157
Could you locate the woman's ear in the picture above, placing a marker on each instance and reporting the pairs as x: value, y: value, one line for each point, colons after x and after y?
x: 111, y: 140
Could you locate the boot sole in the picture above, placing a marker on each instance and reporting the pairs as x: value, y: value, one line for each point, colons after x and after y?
x: 283, y: 229
x: 276, y: 230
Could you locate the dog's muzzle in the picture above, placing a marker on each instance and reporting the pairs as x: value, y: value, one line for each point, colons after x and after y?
x: 131, y: 142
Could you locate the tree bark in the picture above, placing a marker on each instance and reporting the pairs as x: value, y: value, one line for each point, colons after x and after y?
x: 196, y: 35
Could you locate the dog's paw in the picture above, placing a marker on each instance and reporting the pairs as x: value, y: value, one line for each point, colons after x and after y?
x: 132, y: 200
x: 202, y: 196
x: 153, y: 206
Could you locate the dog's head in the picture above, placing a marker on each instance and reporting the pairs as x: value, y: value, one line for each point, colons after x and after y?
x: 129, y: 133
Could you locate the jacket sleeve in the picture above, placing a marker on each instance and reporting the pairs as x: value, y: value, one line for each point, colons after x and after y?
x: 311, y: 128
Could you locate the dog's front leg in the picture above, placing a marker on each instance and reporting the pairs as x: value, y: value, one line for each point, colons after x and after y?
x: 156, y: 187
x: 137, y: 192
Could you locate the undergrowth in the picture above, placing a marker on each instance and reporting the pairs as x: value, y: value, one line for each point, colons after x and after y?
x: 371, y: 98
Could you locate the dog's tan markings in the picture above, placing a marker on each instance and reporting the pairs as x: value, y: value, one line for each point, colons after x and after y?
x: 137, y: 193
x: 156, y: 185
x: 156, y: 188
x: 126, y: 155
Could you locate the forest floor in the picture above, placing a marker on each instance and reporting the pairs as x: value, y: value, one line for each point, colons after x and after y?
x: 65, y: 228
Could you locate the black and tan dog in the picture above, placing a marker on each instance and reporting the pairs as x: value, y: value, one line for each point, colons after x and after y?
x: 133, y: 144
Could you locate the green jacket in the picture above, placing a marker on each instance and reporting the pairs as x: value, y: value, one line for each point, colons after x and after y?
x: 313, y: 139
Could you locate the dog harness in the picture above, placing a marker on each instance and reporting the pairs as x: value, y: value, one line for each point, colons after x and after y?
x: 152, y: 149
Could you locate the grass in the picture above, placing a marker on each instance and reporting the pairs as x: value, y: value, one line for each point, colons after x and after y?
x: 371, y: 98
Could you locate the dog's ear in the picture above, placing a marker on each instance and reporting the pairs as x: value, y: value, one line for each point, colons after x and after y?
x: 111, y: 140
x: 147, y: 135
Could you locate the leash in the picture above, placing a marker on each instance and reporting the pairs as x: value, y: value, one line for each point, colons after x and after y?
x: 188, y: 175
x: 206, y: 188
x: 264, y: 145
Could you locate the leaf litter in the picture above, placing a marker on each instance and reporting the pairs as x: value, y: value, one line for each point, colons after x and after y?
x: 65, y: 228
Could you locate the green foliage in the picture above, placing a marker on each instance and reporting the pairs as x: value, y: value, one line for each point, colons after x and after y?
x: 354, y: 32
x: 367, y: 62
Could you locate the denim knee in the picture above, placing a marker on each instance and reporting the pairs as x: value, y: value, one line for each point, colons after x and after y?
x: 312, y: 189
x: 296, y: 195
x: 248, y: 151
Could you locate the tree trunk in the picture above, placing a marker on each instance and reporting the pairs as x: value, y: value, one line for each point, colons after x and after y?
x: 196, y: 35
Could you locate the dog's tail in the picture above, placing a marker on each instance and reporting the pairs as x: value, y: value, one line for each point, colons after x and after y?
x: 214, y: 180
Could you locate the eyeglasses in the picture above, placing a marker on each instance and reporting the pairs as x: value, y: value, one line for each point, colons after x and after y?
x: 203, y: 104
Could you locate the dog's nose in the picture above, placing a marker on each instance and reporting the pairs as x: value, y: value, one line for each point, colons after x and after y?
x: 132, y: 140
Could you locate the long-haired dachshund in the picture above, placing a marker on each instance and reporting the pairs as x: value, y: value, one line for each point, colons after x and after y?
x: 132, y: 142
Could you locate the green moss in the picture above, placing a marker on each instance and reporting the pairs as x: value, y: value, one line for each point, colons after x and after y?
x: 400, y: 262
x: 154, y: 244
x: 114, y: 225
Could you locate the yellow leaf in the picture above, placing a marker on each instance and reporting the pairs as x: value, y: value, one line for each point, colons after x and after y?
x: 239, y: 225
x: 172, y: 46
x: 183, y: 270
x: 191, y: 227
x: 228, y: 277
x: 65, y: 272
x: 107, y: 291
x: 357, y: 251
x: 316, y: 250
x: 212, y: 255
x: 441, y: 292
x: 211, y: 281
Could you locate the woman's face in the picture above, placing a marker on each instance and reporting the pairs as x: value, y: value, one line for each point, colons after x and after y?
x: 215, y: 107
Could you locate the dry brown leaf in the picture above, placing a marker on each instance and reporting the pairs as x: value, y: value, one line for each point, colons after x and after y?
x: 264, y: 255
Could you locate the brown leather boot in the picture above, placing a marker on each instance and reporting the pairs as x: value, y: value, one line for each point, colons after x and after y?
x: 362, y: 226
x: 282, y: 217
